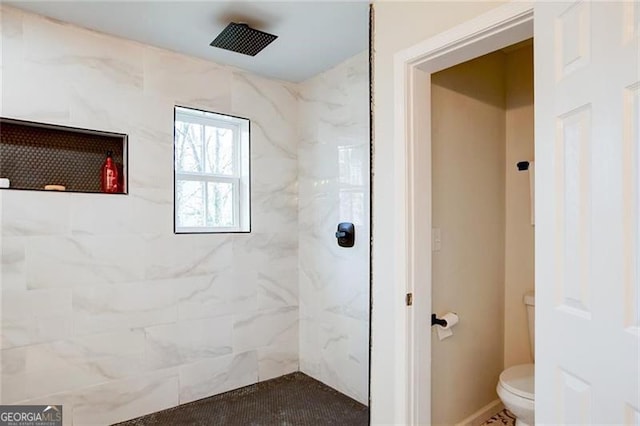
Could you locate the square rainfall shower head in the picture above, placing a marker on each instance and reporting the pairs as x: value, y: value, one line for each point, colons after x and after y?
x: 243, y: 39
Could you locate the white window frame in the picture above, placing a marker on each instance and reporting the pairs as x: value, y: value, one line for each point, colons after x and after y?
x: 240, y: 180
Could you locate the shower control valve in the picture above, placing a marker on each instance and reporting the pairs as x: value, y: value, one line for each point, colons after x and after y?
x: 346, y: 234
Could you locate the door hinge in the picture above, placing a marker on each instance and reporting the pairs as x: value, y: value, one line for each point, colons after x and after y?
x: 409, y: 299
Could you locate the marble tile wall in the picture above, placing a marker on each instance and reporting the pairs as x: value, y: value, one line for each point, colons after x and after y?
x: 104, y: 309
x: 334, y: 187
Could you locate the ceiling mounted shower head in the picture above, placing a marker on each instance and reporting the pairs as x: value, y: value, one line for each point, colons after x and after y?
x: 243, y: 39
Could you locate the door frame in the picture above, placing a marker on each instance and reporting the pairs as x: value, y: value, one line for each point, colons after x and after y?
x: 498, y: 28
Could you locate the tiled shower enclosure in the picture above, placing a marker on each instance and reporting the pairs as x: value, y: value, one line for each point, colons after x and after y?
x: 104, y: 309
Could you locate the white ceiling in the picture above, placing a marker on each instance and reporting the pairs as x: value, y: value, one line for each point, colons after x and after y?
x: 313, y: 36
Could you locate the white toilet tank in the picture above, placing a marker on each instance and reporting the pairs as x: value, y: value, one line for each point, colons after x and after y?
x: 529, y: 301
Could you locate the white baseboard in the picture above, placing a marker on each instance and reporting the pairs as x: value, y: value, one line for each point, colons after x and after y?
x: 483, y: 414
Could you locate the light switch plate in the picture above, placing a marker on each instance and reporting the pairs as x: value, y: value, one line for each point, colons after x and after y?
x: 436, y: 239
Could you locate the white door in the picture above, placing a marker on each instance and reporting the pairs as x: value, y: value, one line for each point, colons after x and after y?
x: 587, y: 202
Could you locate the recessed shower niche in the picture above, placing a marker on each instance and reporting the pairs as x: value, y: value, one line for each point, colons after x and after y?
x: 34, y: 155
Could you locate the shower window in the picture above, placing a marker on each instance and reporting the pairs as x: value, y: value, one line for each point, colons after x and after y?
x: 211, y: 153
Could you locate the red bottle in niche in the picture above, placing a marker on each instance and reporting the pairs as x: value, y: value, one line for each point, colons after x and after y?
x: 109, y: 175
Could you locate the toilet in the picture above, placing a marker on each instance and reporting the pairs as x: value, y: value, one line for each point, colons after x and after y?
x: 516, y: 385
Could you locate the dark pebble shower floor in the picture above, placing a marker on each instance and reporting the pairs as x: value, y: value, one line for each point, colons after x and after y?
x: 294, y: 399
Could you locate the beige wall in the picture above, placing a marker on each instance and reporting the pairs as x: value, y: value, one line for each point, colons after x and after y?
x: 482, y: 126
x: 398, y: 25
x: 468, y: 148
x: 519, y: 242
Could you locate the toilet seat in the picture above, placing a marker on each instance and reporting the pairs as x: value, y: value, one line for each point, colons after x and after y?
x: 519, y: 380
